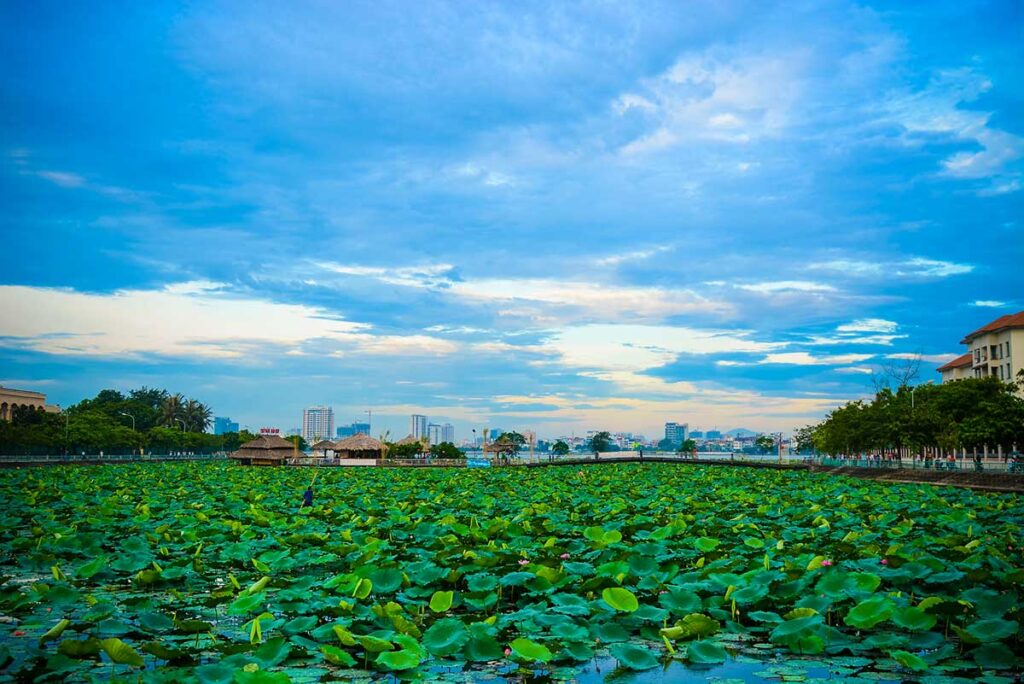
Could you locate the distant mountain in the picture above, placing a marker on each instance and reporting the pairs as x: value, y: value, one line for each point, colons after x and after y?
x: 741, y: 432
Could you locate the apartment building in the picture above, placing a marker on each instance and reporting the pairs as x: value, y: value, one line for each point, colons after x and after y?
x: 996, y: 349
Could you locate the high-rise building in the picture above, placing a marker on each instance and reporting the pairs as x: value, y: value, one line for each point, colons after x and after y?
x: 345, y: 431
x: 224, y: 425
x: 317, y: 423
x: 360, y: 428
x: 714, y: 434
x: 697, y: 434
x: 448, y: 433
x: 434, y: 434
x: 677, y: 433
x: 418, y: 426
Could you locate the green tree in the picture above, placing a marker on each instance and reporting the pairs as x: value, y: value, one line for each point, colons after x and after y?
x: 446, y: 450
x: 559, y: 448
x: 298, y: 440
x: 688, y: 446
x: 765, y: 443
x: 601, y: 441
x: 172, y: 410
x: 197, y: 416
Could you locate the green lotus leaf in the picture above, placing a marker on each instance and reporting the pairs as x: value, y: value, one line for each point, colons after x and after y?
x: 706, y: 544
x: 336, y: 656
x: 398, y: 660
x: 634, y: 657
x: 247, y: 604
x: 88, y: 570
x: 483, y: 648
x: 909, y: 660
x: 992, y: 630
x: 994, y: 656
x: 620, y: 599
x: 373, y: 644
x: 754, y: 542
x: 215, y: 673
x: 869, y: 612
x: 273, y: 652
x: 55, y: 631
x: 79, y: 648
x: 529, y: 651
x: 914, y: 619
x: 582, y: 569
x: 121, y: 653
x: 481, y: 581
x: 445, y: 637
x: 441, y: 601
x: 705, y: 652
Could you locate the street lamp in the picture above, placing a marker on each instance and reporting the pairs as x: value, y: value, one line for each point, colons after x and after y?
x: 125, y: 413
x: 182, y: 423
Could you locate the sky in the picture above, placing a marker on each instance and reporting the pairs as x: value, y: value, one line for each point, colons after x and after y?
x: 541, y: 216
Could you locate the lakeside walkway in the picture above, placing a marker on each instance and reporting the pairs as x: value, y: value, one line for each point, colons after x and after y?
x: 994, y: 476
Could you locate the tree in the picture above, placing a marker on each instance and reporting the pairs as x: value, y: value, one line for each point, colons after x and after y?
x: 298, y: 440
x: 601, y: 441
x: 172, y: 409
x: 446, y: 450
x: 510, y: 442
x: 197, y: 415
x: 559, y: 448
x: 665, y: 444
x: 766, y: 443
x: 688, y: 446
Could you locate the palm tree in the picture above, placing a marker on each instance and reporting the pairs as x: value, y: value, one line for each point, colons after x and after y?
x: 172, y: 409
x: 197, y: 415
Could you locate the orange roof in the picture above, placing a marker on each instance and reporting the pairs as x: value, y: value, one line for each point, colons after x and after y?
x: 958, y: 362
x: 1008, y: 321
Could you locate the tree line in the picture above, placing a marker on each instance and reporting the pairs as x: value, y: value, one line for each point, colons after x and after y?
x: 969, y: 414
x: 145, y: 419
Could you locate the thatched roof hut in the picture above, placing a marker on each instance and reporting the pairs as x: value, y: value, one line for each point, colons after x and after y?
x: 264, y: 450
x: 322, y: 447
x: 359, y: 446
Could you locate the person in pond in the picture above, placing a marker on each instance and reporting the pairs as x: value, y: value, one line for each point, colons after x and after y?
x: 307, y: 497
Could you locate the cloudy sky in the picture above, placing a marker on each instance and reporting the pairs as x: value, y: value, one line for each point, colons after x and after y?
x: 541, y: 216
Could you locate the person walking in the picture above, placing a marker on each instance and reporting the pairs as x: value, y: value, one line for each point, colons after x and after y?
x: 307, y: 497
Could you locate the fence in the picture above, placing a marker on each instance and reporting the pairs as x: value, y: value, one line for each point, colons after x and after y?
x: 57, y: 459
x: 983, y: 465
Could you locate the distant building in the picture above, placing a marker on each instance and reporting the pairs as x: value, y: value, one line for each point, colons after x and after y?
x: 224, y: 425
x: 697, y: 434
x: 12, y: 400
x: 996, y: 350
x: 433, y: 434
x: 677, y: 433
x: 448, y: 433
x: 714, y: 434
x: 317, y: 423
x: 418, y: 426
x: 353, y: 429
x: 494, y: 434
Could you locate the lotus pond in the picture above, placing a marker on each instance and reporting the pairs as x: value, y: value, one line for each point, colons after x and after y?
x: 650, y: 572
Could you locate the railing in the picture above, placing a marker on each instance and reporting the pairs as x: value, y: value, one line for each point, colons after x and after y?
x: 962, y: 465
x: 56, y: 459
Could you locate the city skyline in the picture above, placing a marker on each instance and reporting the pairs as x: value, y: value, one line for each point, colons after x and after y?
x: 725, y: 213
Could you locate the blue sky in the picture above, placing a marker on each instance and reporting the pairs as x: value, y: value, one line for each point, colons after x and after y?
x: 532, y: 215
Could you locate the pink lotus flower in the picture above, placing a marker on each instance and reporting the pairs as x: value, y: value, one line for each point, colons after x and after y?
x: 508, y: 652
x: 885, y: 562
x: 826, y: 563
x: 523, y: 561
x: 565, y: 556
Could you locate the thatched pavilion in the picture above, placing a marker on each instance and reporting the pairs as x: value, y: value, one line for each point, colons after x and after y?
x: 264, y: 450
x: 409, y: 439
x: 323, y: 448
x: 359, y: 446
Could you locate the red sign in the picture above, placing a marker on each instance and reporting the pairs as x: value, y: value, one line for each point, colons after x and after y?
x: 270, y: 431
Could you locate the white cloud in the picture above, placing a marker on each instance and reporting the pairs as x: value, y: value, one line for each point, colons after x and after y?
x: 638, y: 255
x: 914, y: 267
x: 589, y: 299
x: 486, y: 176
x: 731, y: 98
x: 938, y: 109
x: 64, y: 179
x: 991, y: 303
x: 787, y: 286
x: 424, y: 276
x: 933, y: 268
x: 869, y: 325
x: 862, y: 370
x: 193, y: 319
x: 908, y: 356
x: 806, y: 359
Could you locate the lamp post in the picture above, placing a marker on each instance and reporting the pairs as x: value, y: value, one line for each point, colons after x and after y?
x: 912, y: 394
x: 182, y: 423
x: 125, y: 413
